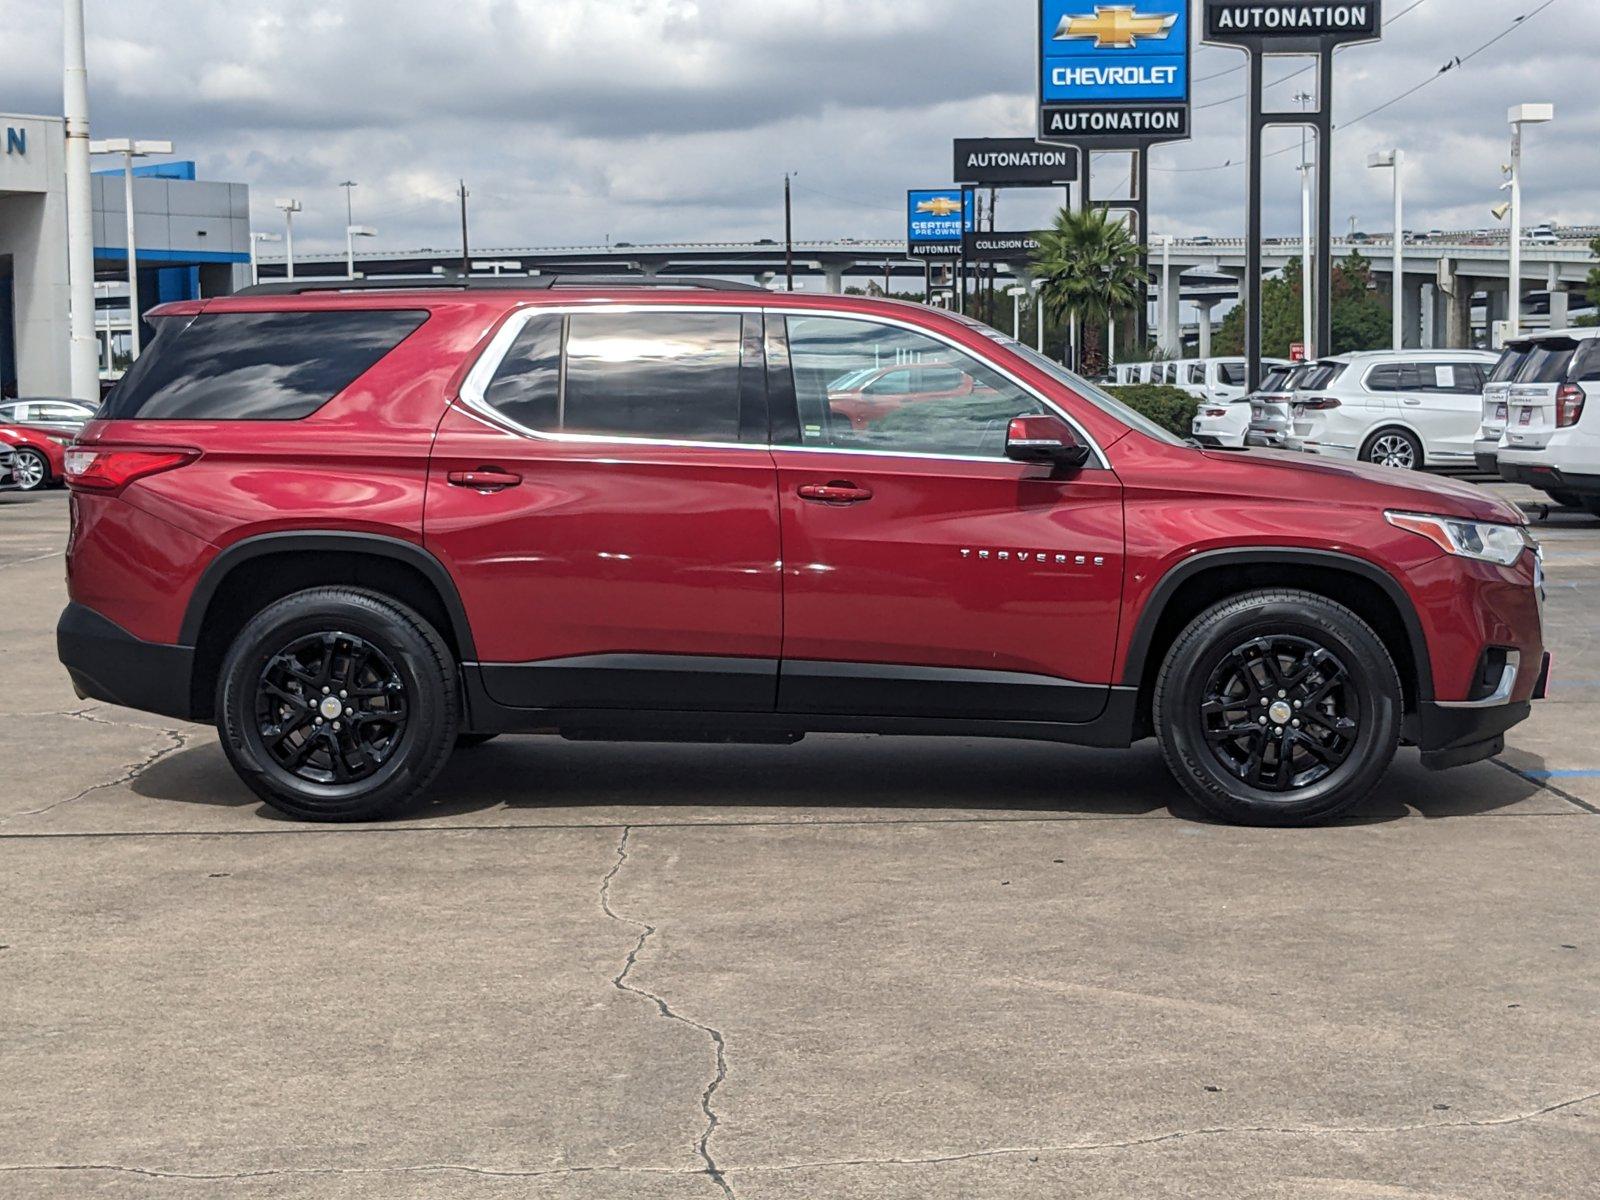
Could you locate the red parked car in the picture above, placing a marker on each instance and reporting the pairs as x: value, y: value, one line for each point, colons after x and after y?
x: 357, y: 527
x: 40, y: 455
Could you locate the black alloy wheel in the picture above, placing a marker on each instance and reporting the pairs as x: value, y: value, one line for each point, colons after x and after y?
x: 1278, y: 707
x: 338, y: 704
x: 331, y: 708
x: 1279, y: 714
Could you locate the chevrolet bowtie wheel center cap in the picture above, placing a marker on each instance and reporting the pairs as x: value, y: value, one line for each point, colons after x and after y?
x: 1280, y: 713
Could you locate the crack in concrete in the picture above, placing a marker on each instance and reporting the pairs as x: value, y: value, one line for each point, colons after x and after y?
x: 823, y: 1164
x: 620, y: 982
x: 177, y: 739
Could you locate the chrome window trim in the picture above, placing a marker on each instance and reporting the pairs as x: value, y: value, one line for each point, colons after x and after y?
x: 474, y: 386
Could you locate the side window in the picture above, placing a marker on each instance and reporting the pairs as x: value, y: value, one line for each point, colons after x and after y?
x: 243, y: 366
x: 1197, y: 373
x: 671, y: 376
x: 891, y: 383
x: 1388, y: 378
x: 959, y: 405
x: 1233, y: 374
x: 1587, y: 367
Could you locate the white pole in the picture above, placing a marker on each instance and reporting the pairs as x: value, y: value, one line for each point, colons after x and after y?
x: 1514, y: 315
x: 83, y: 355
x: 288, y: 241
x: 255, y: 270
x: 350, y: 251
x: 1072, y: 350
x: 1399, y: 252
x: 1306, y: 328
x: 1111, y: 344
x: 133, y: 250
x: 1168, y: 334
x: 1016, y: 316
x: 1038, y: 311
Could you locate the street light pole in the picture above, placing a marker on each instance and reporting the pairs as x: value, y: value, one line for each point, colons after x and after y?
x: 1396, y: 160
x: 83, y: 358
x: 130, y: 150
x: 1520, y: 115
x: 290, y: 206
x: 351, y: 233
x: 788, y: 231
x: 1017, y: 293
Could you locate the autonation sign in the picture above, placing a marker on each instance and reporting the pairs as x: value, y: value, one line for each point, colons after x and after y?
x: 1114, y: 74
x: 1307, y: 25
x: 937, y: 220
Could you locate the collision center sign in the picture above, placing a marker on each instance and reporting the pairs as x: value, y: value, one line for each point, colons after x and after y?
x: 1114, y: 74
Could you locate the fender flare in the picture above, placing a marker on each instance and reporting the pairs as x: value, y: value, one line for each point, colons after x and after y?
x: 1144, y: 631
x: 383, y: 546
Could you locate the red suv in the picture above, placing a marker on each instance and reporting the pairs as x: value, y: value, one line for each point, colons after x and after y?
x: 357, y: 528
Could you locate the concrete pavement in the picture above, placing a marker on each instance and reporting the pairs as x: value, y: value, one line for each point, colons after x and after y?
x: 853, y: 967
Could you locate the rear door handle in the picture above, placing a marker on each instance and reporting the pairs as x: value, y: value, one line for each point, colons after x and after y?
x: 485, y: 479
x: 837, y: 492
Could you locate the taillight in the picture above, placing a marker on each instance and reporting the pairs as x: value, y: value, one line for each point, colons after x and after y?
x: 1317, y: 403
x: 109, y: 469
x: 1214, y: 412
x: 1569, y: 405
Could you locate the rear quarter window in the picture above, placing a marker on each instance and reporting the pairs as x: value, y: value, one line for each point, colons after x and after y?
x: 234, y: 366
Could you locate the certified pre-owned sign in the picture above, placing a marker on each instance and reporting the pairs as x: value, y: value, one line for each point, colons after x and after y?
x: 1309, y: 22
x: 936, y: 219
x: 1113, y: 74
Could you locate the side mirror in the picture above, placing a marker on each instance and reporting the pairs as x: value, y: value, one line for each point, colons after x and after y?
x: 1045, y: 439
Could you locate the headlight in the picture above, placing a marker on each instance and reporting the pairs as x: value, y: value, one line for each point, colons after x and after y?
x: 1483, y: 540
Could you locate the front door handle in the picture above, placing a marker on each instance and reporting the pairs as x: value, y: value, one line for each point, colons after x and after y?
x: 485, y: 479
x: 837, y: 492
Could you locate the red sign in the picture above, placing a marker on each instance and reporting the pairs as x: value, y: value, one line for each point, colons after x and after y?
x: 1297, y: 352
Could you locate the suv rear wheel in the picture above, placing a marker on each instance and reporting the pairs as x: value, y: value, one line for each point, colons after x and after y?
x: 1394, y: 448
x: 1278, y: 708
x: 338, y: 705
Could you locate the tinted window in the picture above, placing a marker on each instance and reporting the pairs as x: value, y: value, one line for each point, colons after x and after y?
x: 1197, y: 373
x: 956, y: 405
x: 1510, y: 362
x: 1587, y: 368
x: 1318, y: 375
x: 254, y: 366
x: 665, y: 375
x: 895, y: 383
x: 1548, y: 361
x: 1233, y: 374
x: 1391, y: 377
x: 1456, y: 379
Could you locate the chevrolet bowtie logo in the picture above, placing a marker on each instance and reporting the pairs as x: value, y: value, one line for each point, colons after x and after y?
x: 939, y: 206
x: 1117, y: 26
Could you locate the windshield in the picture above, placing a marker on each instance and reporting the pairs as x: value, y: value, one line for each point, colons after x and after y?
x: 1079, y: 385
x: 1275, y: 380
x: 1510, y: 363
x: 1548, y: 361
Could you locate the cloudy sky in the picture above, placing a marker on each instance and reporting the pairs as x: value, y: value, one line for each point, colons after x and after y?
x: 675, y: 120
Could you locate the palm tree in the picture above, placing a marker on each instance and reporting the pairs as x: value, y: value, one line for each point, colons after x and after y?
x: 1090, y: 267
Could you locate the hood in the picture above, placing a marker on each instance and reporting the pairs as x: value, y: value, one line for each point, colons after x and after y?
x: 1321, y: 479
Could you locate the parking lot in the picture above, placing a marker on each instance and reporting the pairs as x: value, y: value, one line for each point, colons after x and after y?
x: 853, y: 967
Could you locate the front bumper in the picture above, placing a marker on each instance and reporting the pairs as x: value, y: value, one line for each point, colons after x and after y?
x: 108, y: 663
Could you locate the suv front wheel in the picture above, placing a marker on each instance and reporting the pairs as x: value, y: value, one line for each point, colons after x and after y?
x: 338, y: 704
x: 1278, y: 708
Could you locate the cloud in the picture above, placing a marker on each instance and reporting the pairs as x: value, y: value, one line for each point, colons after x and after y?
x: 675, y: 120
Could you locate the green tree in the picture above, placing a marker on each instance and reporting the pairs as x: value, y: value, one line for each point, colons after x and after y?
x: 1594, y: 286
x: 1361, y: 315
x: 1090, y: 268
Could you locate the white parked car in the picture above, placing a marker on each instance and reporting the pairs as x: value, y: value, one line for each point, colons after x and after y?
x: 1496, y: 394
x: 1552, y: 433
x: 1399, y: 408
x: 1270, y: 426
x: 1223, y: 418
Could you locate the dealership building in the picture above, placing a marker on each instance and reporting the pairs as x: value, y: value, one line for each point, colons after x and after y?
x: 192, y: 238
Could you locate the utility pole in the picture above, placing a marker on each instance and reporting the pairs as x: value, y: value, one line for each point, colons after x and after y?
x: 349, y: 186
x: 1396, y: 159
x: 788, y: 231
x: 1307, y: 332
x: 84, y: 358
x: 466, y: 255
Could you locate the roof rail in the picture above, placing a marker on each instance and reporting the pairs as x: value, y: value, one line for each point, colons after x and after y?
x: 495, y: 283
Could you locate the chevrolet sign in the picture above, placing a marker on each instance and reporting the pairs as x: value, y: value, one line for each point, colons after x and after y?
x: 1114, y: 74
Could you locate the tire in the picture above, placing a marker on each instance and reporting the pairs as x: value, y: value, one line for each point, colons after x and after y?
x: 30, y: 470
x: 402, y: 684
x: 1222, y: 658
x: 467, y: 741
x: 1591, y: 504
x: 1392, y: 447
x: 1567, y: 499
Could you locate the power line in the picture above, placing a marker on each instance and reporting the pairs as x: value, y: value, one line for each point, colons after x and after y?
x: 1240, y: 66
x: 1454, y: 64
